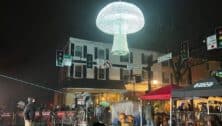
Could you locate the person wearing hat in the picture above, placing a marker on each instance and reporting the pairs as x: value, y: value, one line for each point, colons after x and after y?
x: 29, y: 112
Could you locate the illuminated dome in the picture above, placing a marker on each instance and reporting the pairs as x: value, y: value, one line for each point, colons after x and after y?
x: 119, y: 19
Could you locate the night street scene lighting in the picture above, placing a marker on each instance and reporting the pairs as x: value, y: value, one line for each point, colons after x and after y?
x: 119, y: 19
x: 111, y: 62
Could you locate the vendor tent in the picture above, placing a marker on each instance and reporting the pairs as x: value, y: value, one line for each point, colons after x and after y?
x: 204, y: 88
x: 163, y: 93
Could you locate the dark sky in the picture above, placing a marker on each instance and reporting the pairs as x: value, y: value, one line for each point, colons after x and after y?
x: 32, y: 30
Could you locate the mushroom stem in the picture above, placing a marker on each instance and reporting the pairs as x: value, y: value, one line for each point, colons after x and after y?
x: 120, y: 45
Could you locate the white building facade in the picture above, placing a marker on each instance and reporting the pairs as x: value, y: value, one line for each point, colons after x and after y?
x: 121, y: 68
x: 123, y: 74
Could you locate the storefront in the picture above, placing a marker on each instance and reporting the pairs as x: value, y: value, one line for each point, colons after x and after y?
x: 101, y: 91
x: 198, y: 102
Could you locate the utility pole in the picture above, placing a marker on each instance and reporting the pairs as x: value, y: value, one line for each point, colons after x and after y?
x: 149, y: 72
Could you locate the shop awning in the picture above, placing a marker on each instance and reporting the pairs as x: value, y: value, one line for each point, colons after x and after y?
x: 163, y: 93
x: 203, y: 88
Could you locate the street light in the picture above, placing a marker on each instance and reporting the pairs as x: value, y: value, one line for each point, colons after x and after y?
x: 155, y: 82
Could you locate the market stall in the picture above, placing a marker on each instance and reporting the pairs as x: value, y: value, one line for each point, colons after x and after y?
x: 164, y: 93
x: 126, y: 108
x: 202, y: 98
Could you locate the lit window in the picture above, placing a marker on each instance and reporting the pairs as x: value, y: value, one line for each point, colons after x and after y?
x: 78, y: 51
x: 101, y: 74
x: 78, y: 71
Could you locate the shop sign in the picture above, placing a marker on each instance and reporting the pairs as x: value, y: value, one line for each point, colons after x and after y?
x: 203, y: 84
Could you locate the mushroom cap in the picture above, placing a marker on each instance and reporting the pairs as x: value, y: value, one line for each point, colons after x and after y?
x: 120, y: 18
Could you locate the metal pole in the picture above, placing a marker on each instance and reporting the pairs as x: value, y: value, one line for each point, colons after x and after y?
x: 149, y: 77
x: 149, y: 65
x: 141, y: 111
x: 171, y: 111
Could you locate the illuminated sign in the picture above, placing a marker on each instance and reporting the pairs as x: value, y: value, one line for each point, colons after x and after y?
x: 203, y: 85
x: 219, y: 74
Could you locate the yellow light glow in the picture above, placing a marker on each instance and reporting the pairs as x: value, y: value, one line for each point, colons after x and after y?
x: 155, y: 81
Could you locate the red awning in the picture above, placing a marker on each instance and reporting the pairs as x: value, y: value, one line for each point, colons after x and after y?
x: 163, y: 93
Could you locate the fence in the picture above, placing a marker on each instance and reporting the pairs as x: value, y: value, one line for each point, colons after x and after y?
x: 47, y: 118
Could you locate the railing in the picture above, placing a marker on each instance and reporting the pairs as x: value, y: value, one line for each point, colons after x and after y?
x: 61, y: 118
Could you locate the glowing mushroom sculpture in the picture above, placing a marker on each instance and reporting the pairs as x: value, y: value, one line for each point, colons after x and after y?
x: 119, y: 19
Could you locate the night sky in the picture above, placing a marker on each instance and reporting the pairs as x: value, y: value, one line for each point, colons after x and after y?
x: 32, y: 30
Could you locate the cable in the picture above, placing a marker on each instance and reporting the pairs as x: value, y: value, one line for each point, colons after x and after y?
x: 30, y: 83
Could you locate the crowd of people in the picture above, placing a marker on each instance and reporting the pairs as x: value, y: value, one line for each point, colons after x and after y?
x: 101, y: 116
x: 32, y: 112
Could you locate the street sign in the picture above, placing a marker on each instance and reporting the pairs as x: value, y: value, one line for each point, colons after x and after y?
x: 164, y: 57
x: 67, y: 60
x: 133, y: 66
x: 211, y: 42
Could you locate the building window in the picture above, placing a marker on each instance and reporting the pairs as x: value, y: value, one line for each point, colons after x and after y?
x: 165, y: 77
x: 145, y: 58
x: 101, y: 54
x: 78, y: 51
x: 125, y: 75
x: 124, y: 58
x: 101, y: 74
x: 78, y: 71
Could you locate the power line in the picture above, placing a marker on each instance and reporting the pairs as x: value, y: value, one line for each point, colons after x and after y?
x: 33, y: 84
x: 29, y: 83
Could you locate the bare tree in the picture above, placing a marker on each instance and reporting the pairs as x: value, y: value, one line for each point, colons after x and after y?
x: 179, y: 67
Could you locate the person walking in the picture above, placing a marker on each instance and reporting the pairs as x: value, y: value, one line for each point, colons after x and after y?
x: 29, y: 112
x: 98, y: 113
x: 148, y: 111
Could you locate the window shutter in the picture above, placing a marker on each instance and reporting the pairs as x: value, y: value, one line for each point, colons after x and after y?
x: 131, y: 74
x: 95, y: 73
x: 142, y: 58
x: 72, y: 49
x: 131, y: 57
x: 71, y: 70
x: 84, y: 71
x: 84, y: 51
x: 107, y: 54
x: 121, y: 74
x: 95, y: 53
x: 107, y: 73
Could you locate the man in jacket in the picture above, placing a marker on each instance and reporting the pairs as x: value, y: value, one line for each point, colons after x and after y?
x: 29, y: 112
